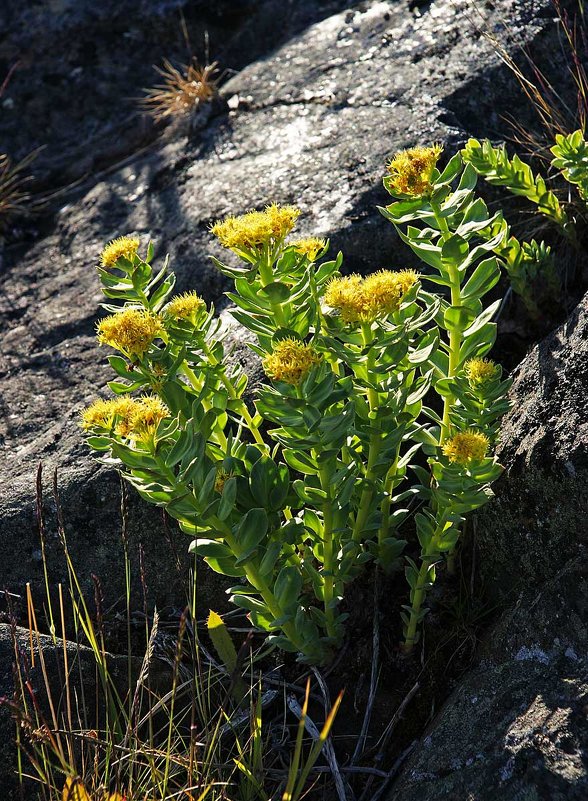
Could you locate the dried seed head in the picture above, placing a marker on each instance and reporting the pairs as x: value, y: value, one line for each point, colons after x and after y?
x: 467, y: 446
x: 183, y: 90
x: 131, y: 331
x: 291, y: 361
x: 411, y: 170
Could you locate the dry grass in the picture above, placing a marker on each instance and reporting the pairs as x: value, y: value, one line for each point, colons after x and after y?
x: 557, y: 114
x: 183, y: 90
x: 14, y: 198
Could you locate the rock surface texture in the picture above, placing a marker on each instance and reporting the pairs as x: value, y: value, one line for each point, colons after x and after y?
x: 323, y: 93
x: 517, y: 726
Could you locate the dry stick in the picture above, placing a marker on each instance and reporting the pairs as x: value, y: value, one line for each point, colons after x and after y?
x: 6, y: 80
x: 66, y: 671
x: 61, y: 534
x: 382, y: 744
x: 383, y: 741
x: 394, y: 770
x: 373, y: 680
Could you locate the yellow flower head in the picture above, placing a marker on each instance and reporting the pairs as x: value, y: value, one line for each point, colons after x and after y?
x: 125, y: 246
x: 184, y: 307
x: 406, y: 279
x: 104, y: 413
x: 222, y: 476
x: 291, y: 361
x: 411, y: 170
x: 256, y: 228
x: 467, y: 446
x: 147, y: 415
x: 130, y: 417
x: 130, y: 331
x: 480, y: 371
x: 310, y: 247
x: 367, y: 299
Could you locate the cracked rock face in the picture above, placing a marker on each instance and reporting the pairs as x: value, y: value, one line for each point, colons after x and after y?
x: 539, y: 517
x: 515, y: 727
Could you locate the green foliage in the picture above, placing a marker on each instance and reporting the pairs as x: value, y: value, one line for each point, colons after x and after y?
x: 526, y: 262
x: 354, y: 364
x: 494, y: 164
x: 571, y: 157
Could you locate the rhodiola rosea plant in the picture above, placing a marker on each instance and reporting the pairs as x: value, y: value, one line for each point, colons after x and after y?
x: 377, y: 419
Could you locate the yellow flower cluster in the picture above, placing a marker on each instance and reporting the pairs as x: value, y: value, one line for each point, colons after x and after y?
x: 150, y: 411
x: 480, y: 371
x: 467, y: 446
x: 291, y: 361
x: 256, y: 228
x: 184, y: 307
x: 309, y: 247
x: 103, y: 413
x: 130, y: 331
x: 411, y: 170
x: 367, y: 299
x: 130, y: 417
x: 126, y: 246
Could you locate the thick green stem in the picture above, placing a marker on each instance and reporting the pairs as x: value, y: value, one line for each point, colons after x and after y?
x: 245, y: 413
x: 430, y: 555
x: 328, y: 554
x: 364, y: 509
x: 389, y: 486
x: 257, y: 581
x: 206, y: 405
x: 454, y: 350
x: 251, y: 572
x: 455, y: 334
x: 374, y: 446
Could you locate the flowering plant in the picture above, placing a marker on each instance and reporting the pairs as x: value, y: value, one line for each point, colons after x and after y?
x: 345, y: 442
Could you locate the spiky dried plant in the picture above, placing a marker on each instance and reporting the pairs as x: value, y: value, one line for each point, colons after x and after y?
x: 183, y: 89
x: 13, y: 195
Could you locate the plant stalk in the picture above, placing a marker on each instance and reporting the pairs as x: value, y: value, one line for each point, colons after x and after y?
x: 429, y: 556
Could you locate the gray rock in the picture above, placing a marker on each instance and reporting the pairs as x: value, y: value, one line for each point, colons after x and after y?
x: 540, y: 514
x: 515, y: 728
x: 311, y: 117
